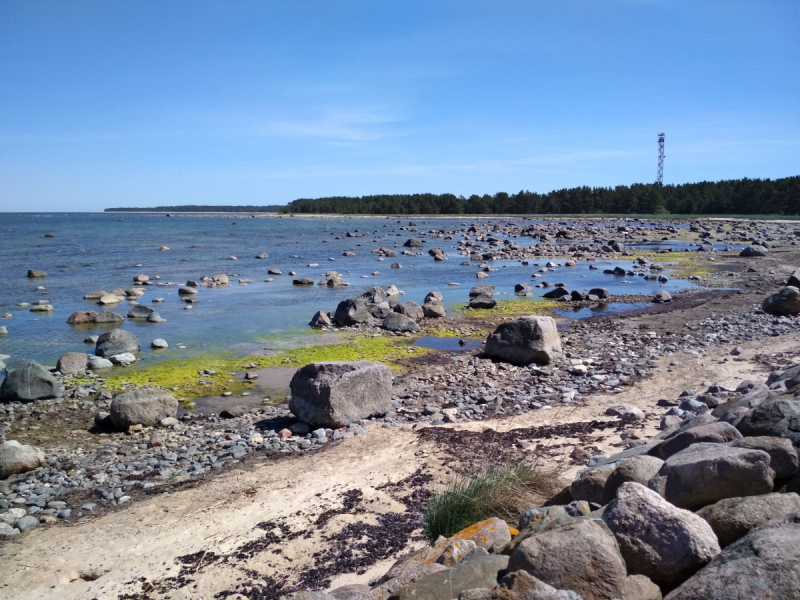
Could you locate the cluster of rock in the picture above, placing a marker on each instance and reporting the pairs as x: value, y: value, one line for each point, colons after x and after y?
x: 381, y: 308
x: 709, y: 508
x: 582, y: 238
x: 333, y: 400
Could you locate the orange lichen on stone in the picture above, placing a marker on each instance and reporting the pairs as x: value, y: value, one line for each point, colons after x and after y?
x: 513, y: 531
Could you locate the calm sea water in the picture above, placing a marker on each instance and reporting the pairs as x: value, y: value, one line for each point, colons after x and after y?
x: 101, y: 251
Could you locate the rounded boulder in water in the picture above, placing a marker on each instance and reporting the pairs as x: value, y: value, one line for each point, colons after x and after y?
x: 117, y: 341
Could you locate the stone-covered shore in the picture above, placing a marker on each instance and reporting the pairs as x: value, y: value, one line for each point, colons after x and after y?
x: 91, y: 469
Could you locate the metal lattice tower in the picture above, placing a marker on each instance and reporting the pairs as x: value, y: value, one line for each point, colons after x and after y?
x: 660, y: 176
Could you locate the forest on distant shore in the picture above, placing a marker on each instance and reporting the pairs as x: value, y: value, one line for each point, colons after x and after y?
x: 200, y: 208
x: 733, y: 197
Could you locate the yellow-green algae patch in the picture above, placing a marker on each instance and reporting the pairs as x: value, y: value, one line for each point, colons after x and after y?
x: 183, y: 377
x: 683, y: 265
x: 516, y: 307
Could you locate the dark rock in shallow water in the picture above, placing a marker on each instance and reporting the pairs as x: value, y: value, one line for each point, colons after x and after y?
x: 114, y: 342
x: 82, y: 317
x: 481, y: 290
x: 352, y: 311
x: 108, y: 316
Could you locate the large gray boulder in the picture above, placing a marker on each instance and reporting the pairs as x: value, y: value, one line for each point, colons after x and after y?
x: 778, y: 418
x: 28, y: 382
x: 336, y: 394
x: 72, y: 362
x: 352, y: 311
x: 754, y: 250
x: 481, y: 290
x: 733, y: 518
x: 524, y: 341
x: 117, y: 341
x: 400, y: 323
x: 713, y: 432
x: 412, y: 310
x: 764, y: 564
x: 785, y: 302
x: 706, y: 473
x: 482, y: 302
x: 657, y: 539
x: 18, y: 458
x: 783, y: 457
x: 579, y: 556
x: 145, y: 406
x: 434, y: 310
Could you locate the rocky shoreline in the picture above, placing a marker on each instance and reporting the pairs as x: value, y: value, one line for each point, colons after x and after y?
x: 92, y: 468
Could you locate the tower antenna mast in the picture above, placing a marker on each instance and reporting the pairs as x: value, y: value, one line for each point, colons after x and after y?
x: 660, y: 176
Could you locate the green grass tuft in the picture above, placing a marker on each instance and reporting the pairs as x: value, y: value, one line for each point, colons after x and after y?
x: 503, y: 492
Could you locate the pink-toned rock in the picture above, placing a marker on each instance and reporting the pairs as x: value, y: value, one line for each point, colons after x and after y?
x: 82, y: 317
x: 284, y: 433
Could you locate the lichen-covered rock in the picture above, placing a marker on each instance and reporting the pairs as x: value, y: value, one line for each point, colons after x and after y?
x: 412, y: 567
x: 336, y: 394
x: 733, y: 518
x: 657, y: 539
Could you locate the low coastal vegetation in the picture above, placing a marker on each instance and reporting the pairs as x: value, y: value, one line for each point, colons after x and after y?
x: 503, y: 491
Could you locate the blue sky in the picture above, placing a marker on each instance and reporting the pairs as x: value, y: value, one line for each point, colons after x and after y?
x: 144, y: 103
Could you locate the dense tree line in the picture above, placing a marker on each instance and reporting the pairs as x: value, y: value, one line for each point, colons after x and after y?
x: 200, y: 208
x: 733, y: 197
